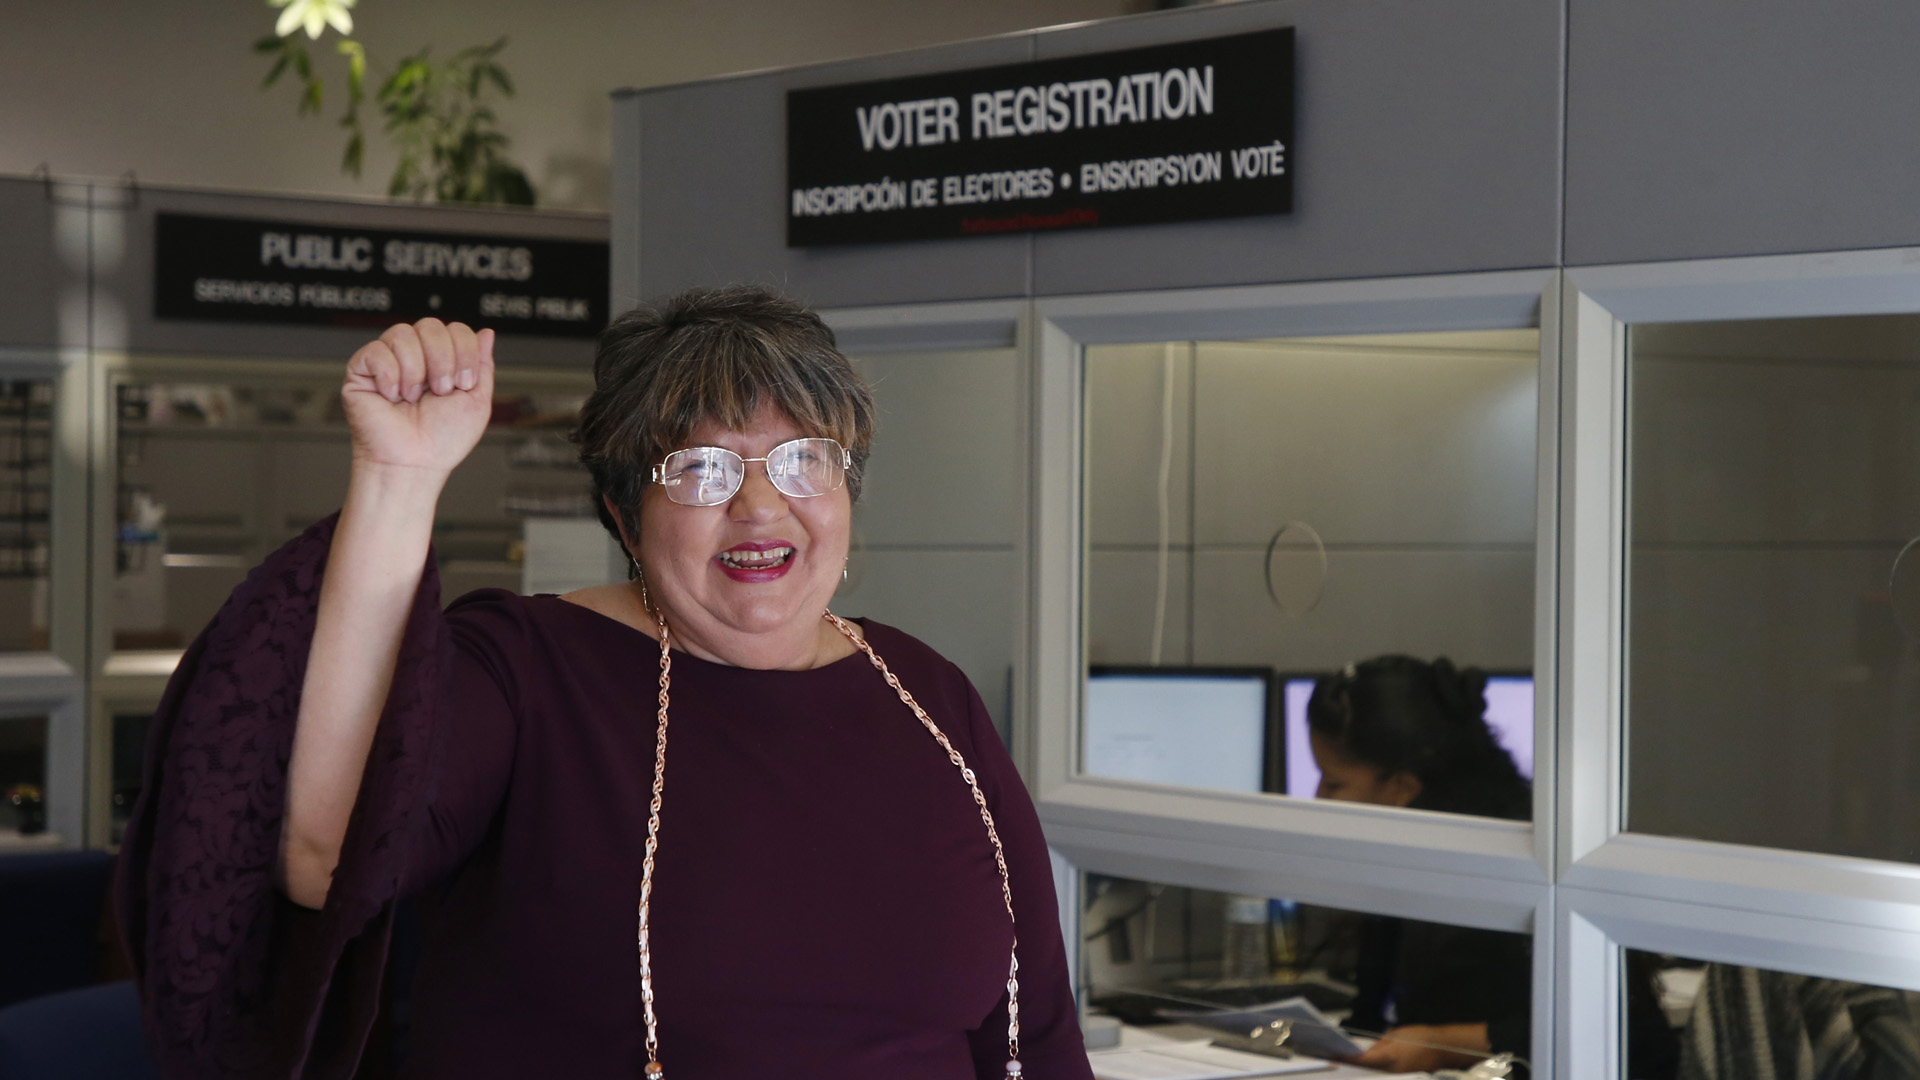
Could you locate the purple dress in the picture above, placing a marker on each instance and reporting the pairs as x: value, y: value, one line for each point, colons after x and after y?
x: 825, y: 898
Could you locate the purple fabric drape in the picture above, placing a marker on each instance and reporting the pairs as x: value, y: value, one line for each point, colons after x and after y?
x: 236, y: 980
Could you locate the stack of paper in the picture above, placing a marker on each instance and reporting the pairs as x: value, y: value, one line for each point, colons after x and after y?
x: 1313, y: 1031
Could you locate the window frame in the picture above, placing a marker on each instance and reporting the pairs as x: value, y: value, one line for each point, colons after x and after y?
x: 1836, y: 916
x: 49, y: 682
x: 1470, y: 871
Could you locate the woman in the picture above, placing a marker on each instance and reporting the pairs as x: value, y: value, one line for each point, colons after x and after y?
x: 1395, y: 731
x: 701, y: 763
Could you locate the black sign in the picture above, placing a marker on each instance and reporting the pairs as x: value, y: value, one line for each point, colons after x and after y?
x: 1199, y: 129
x: 242, y: 270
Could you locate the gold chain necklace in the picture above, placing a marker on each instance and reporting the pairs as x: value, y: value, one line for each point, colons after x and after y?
x: 655, y: 1071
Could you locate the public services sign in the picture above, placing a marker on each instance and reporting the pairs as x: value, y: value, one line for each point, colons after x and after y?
x: 1198, y: 129
x: 249, y: 270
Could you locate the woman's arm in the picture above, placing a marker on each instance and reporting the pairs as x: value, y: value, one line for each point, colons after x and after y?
x: 417, y: 400
x: 1428, y: 1046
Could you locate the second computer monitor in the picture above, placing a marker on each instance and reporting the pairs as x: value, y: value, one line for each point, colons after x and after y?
x: 1509, y: 714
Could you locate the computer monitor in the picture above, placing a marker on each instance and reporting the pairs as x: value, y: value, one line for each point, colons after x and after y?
x: 1509, y: 714
x: 1206, y: 727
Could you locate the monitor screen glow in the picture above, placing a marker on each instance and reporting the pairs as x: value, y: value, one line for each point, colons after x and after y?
x: 1509, y: 714
x: 1191, y: 730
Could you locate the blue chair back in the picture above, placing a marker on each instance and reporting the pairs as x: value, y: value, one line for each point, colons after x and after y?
x: 90, y: 1034
x: 51, y: 905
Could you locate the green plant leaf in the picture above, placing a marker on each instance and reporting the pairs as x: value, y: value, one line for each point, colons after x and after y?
x: 279, y: 67
x: 448, y: 143
x: 269, y: 44
x: 509, y: 185
x: 301, y: 61
x: 356, y: 56
x: 310, y: 101
x: 351, y: 161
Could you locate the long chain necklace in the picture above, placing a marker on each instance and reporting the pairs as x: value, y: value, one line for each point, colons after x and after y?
x: 656, y: 1071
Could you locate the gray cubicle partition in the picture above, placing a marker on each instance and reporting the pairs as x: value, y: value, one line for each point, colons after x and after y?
x: 1428, y: 141
x: 1431, y: 137
x: 1717, y: 128
x: 37, y: 270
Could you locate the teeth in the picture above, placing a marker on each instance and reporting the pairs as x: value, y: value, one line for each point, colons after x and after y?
x: 756, y: 560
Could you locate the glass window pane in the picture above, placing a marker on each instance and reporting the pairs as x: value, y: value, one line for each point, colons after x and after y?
x: 1691, y: 1020
x: 26, y: 491
x: 1263, y: 515
x: 1774, y: 640
x: 215, y: 476
x: 23, y: 778
x: 940, y: 510
x: 1177, y: 964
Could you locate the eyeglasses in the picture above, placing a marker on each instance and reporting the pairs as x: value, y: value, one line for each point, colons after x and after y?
x: 710, y: 475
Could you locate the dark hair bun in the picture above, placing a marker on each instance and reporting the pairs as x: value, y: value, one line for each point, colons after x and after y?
x: 1462, y: 692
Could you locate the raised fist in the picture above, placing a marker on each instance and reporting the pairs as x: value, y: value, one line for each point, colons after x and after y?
x: 420, y: 396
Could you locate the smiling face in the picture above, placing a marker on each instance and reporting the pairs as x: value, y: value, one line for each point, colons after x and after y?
x: 745, y: 582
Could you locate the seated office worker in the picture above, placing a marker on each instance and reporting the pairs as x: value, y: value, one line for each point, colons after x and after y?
x: 691, y: 826
x: 1396, y: 731
x: 1749, y: 1022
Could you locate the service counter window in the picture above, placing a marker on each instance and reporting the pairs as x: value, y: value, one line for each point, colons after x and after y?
x: 1310, y: 567
x: 23, y: 780
x: 215, y: 474
x: 213, y: 477
x: 935, y: 529
x: 1774, y: 584
x: 26, y: 491
x: 1272, y: 986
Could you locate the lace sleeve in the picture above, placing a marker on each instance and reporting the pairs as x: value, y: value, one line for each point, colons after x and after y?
x: 235, y: 980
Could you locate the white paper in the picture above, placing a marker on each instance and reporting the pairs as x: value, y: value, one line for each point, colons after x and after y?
x: 1191, y: 1061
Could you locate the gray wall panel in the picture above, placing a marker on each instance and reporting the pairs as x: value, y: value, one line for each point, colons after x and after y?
x: 959, y: 602
x: 1430, y: 135
x: 1366, y: 444
x: 943, y: 470
x: 31, y: 268
x: 1427, y: 138
x: 1122, y: 596
x: 123, y: 273
x: 1474, y: 606
x: 713, y: 174
x: 1740, y: 127
x: 1127, y: 430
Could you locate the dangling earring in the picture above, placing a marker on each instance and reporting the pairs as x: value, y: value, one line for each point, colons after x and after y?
x: 646, y: 602
x: 844, y: 573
